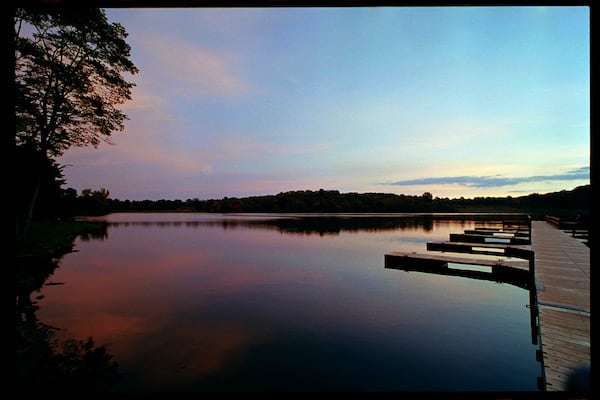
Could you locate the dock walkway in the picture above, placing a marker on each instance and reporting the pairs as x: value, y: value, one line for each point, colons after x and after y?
x: 562, y: 280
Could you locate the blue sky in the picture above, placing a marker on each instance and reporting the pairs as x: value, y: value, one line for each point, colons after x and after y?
x: 456, y: 101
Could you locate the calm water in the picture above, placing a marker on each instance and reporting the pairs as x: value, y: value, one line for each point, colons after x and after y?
x: 192, y: 302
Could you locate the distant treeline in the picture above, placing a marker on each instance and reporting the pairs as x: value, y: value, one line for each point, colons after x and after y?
x: 572, y: 202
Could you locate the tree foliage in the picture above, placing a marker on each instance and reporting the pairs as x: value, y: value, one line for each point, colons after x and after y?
x: 71, y: 69
x: 331, y: 201
x: 69, y: 76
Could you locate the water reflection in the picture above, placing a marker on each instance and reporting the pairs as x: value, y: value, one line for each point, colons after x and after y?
x: 98, y: 233
x: 203, y: 305
x: 297, y: 224
x: 43, y: 363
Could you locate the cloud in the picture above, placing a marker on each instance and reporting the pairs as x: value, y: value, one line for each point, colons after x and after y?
x: 144, y: 100
x: 150, y: 141
x: 194, y: 70
x: 234, y: 147
x: 494, y: 181
x: 146, y: 155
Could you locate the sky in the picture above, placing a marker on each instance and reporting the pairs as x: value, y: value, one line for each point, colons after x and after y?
x: 455, y: 101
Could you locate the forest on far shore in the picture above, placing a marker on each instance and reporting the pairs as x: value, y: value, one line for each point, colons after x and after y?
x: 68, y: 203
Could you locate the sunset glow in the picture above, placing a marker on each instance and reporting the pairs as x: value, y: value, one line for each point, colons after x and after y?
x: 456, y: 101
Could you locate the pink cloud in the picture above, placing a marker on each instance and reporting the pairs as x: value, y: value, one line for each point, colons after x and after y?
x: 198, y: 71
x: 148, y: 137
x: 144, y: 100
x: 237, y: 147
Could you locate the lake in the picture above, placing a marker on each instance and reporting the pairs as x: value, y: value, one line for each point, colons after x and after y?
x: 283, y: 302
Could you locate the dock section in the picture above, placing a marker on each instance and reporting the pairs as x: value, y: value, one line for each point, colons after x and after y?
x: 555, y: 268
x: 562, y: 280
x: 512, y: 272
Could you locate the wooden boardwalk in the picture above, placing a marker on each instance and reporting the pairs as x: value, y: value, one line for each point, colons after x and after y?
x: 562, y: 280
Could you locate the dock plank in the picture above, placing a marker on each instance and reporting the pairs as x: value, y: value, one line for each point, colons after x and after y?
x: 494, y: 249
x: 488, y: 245
x: 463, y: 237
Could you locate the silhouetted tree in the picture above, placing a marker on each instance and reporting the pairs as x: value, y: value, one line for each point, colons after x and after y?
x: 70, y: 66
x: 45, y: 174
x: 95, y: 202
x: 576, y: 201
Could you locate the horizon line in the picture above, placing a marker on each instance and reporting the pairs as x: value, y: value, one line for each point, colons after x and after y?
x: 347, y: 193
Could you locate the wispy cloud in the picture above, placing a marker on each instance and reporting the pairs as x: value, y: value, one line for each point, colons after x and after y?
x: 127, y: 154
x: 494, y: 181
x: 150, y: 139
x: 199, y: 71
x: 144, y: 100
x: 237, y: 147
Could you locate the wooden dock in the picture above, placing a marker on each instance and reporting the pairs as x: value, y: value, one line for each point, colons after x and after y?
x: 562, y: 280
x: 431, y: 259
x: 559, y: 287
x: 513, y: 272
